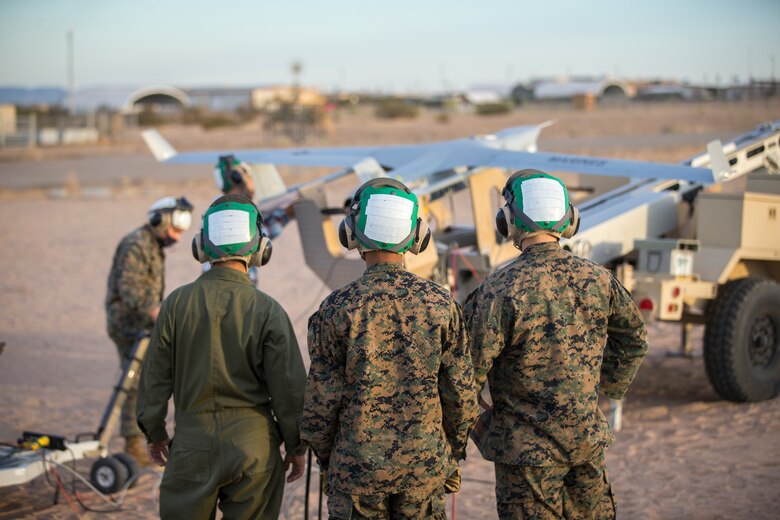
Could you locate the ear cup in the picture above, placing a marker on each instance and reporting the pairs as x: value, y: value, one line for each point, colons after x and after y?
x: 263, y: 254
x: 236, y: 177
x: 160, y: 220
x: 505, y: 224
x: 574, y: 223
x: 197, y: 249
x: 343, y: 233
x: 346, y: 235
x: 155, y: 219
x: 501, y: 225
x: 422, y: 237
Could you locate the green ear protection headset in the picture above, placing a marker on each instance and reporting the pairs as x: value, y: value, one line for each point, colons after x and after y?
x: 259, y: 245
x: 512, y: 222
x: 351, y: 234
x: 227, y: 173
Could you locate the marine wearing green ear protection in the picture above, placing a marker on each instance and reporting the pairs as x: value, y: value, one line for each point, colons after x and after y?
x: 232, y: 230
x: 229, y: 172
x: 513, y: 221
x: 379, y: 199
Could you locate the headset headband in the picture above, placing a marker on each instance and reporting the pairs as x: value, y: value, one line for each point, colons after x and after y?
x: 515, y: 210
x: 373, y: 245
x: 245, y: 250
x: 378, y: 181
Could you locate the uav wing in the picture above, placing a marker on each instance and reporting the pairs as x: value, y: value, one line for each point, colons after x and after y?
x: 510, y: 149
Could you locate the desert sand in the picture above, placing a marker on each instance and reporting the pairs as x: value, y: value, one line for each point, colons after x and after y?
x: 682, y: 453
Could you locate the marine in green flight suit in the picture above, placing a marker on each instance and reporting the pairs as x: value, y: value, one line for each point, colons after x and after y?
x: 227, y: 354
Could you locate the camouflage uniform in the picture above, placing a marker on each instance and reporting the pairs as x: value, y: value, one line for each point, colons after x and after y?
x: 548, y: 332
x: 228, y: 355
x: 135, y: 289
x: 389, y: 400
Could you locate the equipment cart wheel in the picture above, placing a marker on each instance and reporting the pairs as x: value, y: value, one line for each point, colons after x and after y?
x: 108, y: 475
x: 129, y: 463
x: 742, y: 340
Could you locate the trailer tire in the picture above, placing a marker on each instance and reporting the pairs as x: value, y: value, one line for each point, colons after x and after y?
x: 108, y: 475
x: 129, y: 463
x: 742, y: 340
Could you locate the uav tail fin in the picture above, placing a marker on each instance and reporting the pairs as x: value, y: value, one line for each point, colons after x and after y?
x: 268, y: 182
x: 160, y: 148
x: 721, y: 170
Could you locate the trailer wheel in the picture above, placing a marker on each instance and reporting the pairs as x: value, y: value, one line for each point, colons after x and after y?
x: 108, y: 475
x: 129, y: 463
x: 742, y: 340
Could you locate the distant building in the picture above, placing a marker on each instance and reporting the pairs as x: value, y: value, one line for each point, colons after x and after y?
x: 666, y: 91
x: 221, y: 99
x: 565, y: 89
x: 272, y: 97
x: 483, y: 97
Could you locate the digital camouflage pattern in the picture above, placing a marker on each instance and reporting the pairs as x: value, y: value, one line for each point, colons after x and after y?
x: 390, y: 397
x: 538, y: 331
x: 412, y: 504
x: 554, y: 492
x: 135, y: 287
x: 135, y: 283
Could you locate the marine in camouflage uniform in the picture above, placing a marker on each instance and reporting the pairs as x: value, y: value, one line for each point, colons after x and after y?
x: 136, y: 283
x: 227, y: 354
x: 390, y: 400
x: 548, y: 332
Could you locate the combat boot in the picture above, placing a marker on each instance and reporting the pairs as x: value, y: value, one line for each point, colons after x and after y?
x: 135, y: 446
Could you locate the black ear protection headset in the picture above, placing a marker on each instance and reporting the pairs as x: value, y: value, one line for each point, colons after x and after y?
x: 264, y: 246
x: 229, y: 173
x: 351, y: 236
x: 161, y: 218
x: 505, y: 218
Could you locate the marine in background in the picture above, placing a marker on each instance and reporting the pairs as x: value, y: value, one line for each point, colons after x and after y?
x: 389, y: 399
x: 136, y: 284
x: 228, y: 356
x: 234, y: 177
x: 548, y: 332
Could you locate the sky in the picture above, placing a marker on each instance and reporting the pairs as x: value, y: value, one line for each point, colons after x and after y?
x: 398, y: 45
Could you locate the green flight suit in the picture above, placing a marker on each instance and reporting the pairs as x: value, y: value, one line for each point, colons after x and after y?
x: 228, y: 355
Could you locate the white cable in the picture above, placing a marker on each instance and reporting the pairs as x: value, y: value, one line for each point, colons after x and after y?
x: 123, y: 491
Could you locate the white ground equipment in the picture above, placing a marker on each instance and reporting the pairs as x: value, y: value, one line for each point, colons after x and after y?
x: 36, y: 453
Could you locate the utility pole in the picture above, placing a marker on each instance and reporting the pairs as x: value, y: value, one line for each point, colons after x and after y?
x: 71, y: 76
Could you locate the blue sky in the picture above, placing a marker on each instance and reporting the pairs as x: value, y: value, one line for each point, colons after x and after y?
x: 389, y: 45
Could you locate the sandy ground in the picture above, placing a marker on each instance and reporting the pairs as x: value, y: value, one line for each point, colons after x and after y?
x: 682, y: 453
